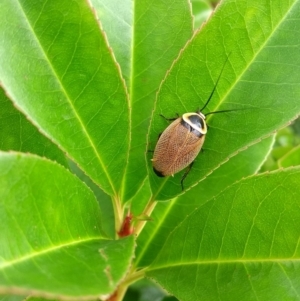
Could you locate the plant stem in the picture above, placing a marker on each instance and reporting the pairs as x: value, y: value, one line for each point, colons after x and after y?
x: 148, y: 210
x: 118, y: 294
x: 118, y: 212
x: 133, y: 277
x: 121, y: 290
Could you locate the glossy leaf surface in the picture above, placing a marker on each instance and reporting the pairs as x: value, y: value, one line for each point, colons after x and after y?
x: 56, y: 245
x: 56, y: 67
x: 167, y: 215
x: 160, y: 31
x: 146, y: 38
x: 260, y: 75
x: 241, y: 245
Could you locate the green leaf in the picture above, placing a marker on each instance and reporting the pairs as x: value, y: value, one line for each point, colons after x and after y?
x: 241, y: 245
x: 146, y: 55
x: 286, y: 140
x: 167, y: 215
x: 18, y: 134
x: 38, y: 299
x: 201, y: 11
x: 104, y: 201
x: 160, y: 31
x: 261, y: 75
x: 292, y: 158
x: 11, y: 297
x: 116, y: 19
x: 53, y: 233
x: 140, y: 199
x: 56, y: 67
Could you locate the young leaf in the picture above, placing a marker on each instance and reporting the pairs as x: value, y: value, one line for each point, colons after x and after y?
x: 242, y: 245
x: 52, y: 243
x: 56, y: 67
x: 261, y: 55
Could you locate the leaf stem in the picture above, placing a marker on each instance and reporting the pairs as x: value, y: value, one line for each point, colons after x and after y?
x: 118, y: 212
x: 121, y: 290
x: 148, y: 210
x: 133, y: 277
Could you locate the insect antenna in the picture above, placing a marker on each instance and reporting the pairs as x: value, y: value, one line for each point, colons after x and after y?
x: 213, y: 90
x: 223, y: 111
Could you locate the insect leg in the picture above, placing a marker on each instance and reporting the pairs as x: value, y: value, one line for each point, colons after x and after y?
x: 185, y: 174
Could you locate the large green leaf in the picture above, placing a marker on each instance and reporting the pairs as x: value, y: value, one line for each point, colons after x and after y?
x: 167, y: 215
x: 17, y: 133
x: 146, y: 38
x: 261, y: 43
x: 160, y: 30
x: 242, y: 245
x: 56, y: 67
x: 51, y: 240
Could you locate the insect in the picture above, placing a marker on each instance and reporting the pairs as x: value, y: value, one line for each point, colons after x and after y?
x: 181, y: 142
x: 126, y: 228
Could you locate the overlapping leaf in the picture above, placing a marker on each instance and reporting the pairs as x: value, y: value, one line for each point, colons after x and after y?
x: 116, y: 19
x: 242, y: 245
x: 56, y: 67
x: 18, y: 134
x: 167, y: 215
x: 201, y: 11
x: 51, y: 242
x: 292, y: 158
x: 11, y: 298
x: 160, y: 31
x: 261, y: 75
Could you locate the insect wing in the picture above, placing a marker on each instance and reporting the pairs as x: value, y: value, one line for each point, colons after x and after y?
x: 176, y: 148
x: 188, y: 150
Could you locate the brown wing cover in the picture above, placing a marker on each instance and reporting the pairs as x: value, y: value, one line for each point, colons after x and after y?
x: 176, y: 148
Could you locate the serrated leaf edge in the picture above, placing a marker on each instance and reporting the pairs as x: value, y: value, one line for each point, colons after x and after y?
x: 196, y: 33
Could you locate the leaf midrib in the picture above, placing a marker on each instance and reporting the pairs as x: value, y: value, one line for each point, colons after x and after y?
x: 219, y: 262
x: 156, y: 229
x: 238, y: 79
x: 221, y: 100
x: 42, y: 252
